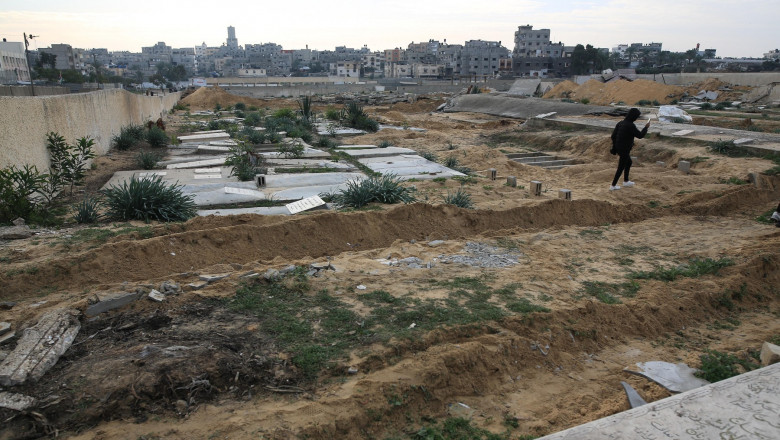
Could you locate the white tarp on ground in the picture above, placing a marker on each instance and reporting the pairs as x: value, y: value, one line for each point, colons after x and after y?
x: 671, y: 113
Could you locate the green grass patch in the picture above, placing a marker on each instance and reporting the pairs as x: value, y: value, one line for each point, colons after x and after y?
x: 456, y: 428
x: 717, y: 366
x: 524, y: 306
x: 694, y: 269
x: 733, y: 181
x: 607, y: 292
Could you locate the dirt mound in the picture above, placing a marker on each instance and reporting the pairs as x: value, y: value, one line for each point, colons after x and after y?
x: 206, y: 98
x: 627, y: 92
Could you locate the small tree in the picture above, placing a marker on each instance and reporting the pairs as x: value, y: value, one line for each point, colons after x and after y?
x: 68, y: 163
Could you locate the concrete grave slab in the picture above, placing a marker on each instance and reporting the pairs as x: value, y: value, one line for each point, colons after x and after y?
x: 379, y: 152
x: 40, y: 347
x: 243, y: 191
x: 270, y: 210
x: 308, y: 153
x: 212, y: 149
x: 197, y: 163
x: 207, y: 176
x: 208, y: 170
x: 356, y: 147
x: 305, y: 204
x: 395, y: 127
x: 743, y: 141
x: 741, y: 407
x: 676, y: 378
x: 682, y: 133
x: 305, y: 191
x: 309, y: 179
x: 205, y: 137
x: 5, y: 327
x: 634, y: 399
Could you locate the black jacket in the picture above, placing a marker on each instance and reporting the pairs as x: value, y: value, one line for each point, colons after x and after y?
x: 623, y: 136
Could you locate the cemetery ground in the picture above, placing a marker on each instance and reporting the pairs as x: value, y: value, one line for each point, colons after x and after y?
x: 511, y: 320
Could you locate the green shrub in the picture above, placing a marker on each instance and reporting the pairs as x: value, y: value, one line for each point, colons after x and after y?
x: 128, y: 137
x: 244, y: 162
x: 644, y: 102
x: 156, y: 137
x: 585, y: 101
x: 293, y: 150
x: 252, y: 119
x: 726, y: 148
x: 383, y: 189
x: 148, y: 198
x: 460, y: 198
x: 240, y: 106
x: 147, y: 160
x: 656, y: 103
x: 87, y: 211
x: 385, y: 144
x: 332, y: 114
x: 717, y: 366
x: 451, y: 162
x: 68, y: 164
x: 284, y: 113
x: 305, y: 104
x: 17, y: 189
x: 325, y: 142
x: 706, y: 106
x: 214, y: 125
x: 239, y: 114
x: 354, y: 116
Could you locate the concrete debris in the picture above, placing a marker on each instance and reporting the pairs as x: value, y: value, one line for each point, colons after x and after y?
x: 707, y: 95
x: 634, y: 399
x: 170, y: 288
x: 352, y: 370
x: 156, y: 296
x: 670, y: 113
x: 197, y: 285
x: 7, y: 337
x: 676, y: 378
x: 19, y: 222
x: 111, y: 301
x: 40, y: 347
x: 5, y: 327
x: 770, y: 354
x: 435, y: 243
x: 483, y: 255
x: 7, y: 305
x: 16, y: 401
x: 288, y: 269
x: 361, y: 287
x: 212, y: 278
x: 271, y: 274
x: 460, y: 410
x: 15, y: 232
x: 250, y: 275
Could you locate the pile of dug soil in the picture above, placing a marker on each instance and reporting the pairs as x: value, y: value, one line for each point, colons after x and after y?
x: 208, y: 97
x: 628, y: 92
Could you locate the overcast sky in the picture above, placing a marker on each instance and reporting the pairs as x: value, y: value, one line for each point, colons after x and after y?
x: 746, y: 28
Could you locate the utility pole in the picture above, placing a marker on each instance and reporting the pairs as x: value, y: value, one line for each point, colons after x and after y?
x: 27, y: 57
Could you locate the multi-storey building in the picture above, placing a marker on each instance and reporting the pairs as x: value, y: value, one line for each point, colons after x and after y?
x: 13, y: 63
x: 481, y: 58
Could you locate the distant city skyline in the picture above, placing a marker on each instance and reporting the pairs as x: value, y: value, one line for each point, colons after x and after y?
x: 736, y: 29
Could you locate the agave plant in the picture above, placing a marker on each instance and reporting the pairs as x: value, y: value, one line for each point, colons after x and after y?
x: 148, y: 198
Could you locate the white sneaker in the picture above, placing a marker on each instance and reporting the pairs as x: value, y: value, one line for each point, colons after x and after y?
x: 775, y: 216
x: 612, y: 188
x: 628, y: 183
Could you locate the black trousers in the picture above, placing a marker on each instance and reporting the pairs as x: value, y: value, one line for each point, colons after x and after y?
x: 624, y: 166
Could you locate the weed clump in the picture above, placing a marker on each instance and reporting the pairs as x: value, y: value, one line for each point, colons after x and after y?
x: 157, y: 138
x: 383, y: 189
x: 460, y: 198
x: 149, y: 198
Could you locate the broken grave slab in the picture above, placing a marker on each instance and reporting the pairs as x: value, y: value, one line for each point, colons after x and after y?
x: 15, y: 232
x: 212, y: 278
x: 15, y: 401
x: 379, y: 152
x: 5, y: 327
x: 676, y: 378
x: 40, y: 347
x: 682, y: 133
x: 110, y: 301
x: 206, y: 137
x: 743, y: 141
x: 305, y: 204
x: 270, y: 210
x: 770, y: 354
x: 634, y: 399
x: 741, y: 407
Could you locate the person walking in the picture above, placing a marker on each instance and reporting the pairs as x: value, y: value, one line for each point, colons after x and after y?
x: 622, y: 142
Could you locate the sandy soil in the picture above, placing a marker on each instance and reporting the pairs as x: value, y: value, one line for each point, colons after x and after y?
x: 519, y: 374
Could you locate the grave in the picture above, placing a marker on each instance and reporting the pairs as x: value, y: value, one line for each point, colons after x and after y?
x: 535, y: 188
x: 408, y: 166
x: 205, y: 137
x: 684, y: 166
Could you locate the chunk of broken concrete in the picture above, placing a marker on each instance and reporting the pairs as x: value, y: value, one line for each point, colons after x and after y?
x: 5, y: 327
x: 15, y: 401
x: 212, y: 278
x: 676, y: 378
x: 7, y: 305
x: 111, y: 301
x: 7, y: 337
x: 170, y: 287
x: 271, y: 274
x: 156, y: 296
x: 288, y: 269
x: 197, y: 285
x: 435, y: 243
x: 15, y: 232
x: 634, y: 399
x: 770, y: 354
x: 40, y: 347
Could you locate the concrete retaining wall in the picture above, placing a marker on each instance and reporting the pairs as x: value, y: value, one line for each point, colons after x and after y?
x: 260, y: 90
x: 99, y: 115
x: 683, y: 79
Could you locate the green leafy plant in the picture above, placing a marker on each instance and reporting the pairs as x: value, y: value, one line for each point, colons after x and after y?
x: 148, y: 198
x: 305, y: 104
x: 644, y: 102
x: 156, y: 137
x: 354, y: 116
x: 585, y: 101
x: 332, y: 114
x: 695, y: 268
x: 17, y: 189
x: 68, y: 164
x: 292, y: 150
x: 128, y: 137
x: 717, y: 366
x: 252, y: 119
x: 325, y: 142
x: 240, y: 106
x: 244, y: 161
x: 287, y: 113
x: 87, y: 210
x: 429, y: 155
x: 460, y: 198
x: 385, y: 144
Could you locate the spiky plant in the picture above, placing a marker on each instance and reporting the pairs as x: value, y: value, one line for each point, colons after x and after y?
x: 87, y: 210
x: 459, y: 198
x: 148, y: 198
x: 157, y: 138
x: 147, y: 160
x: 383, y: 189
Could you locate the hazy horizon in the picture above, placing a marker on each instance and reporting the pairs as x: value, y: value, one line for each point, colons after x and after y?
x: 741, y: 29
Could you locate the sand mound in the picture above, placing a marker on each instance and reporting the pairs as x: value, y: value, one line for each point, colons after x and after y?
x: 628, y: 92
x: 208, y: 97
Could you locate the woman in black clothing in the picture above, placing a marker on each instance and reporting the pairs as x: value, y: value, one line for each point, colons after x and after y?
x: 622, y: 142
